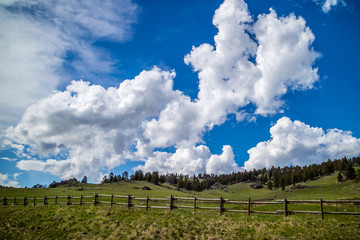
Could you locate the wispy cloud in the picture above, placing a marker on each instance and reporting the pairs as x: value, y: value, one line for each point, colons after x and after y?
x: 327, y: 5
x: 37, y: 38
x: 5, y: 180
x: 8, y: 159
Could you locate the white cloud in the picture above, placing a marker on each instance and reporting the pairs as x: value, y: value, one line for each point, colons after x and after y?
x: 295, y: 143
x: 36, y: 37
x: 191, y: 160
x: 98, y: 129
x: 223, y: 163
x: 283, y: 41
x: 94, y: 127
x: 327, y: 5
x: 229, y: 80
x: 7, y: 182
x: 8, y: 159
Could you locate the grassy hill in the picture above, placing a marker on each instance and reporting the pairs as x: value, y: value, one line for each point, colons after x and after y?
x: 104, y: 222
x: 324, y: 187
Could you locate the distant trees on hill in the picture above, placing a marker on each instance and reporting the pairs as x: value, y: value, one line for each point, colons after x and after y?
x: 69, y: 183
x: 273, y: 177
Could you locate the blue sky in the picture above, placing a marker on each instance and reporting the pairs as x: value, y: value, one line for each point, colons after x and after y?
x: 97, y: 86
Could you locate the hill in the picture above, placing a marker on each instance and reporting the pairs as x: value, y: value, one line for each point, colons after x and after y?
x: 104, y: 222
x: 324, y: 187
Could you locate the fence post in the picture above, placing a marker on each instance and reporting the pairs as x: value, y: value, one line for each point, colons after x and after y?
x: 25, y: 201
x: 14, y: 200
x: 249, y: 207
x: 45, y: 203
x: 129, y: 201
x: 221, y: 206
x: 171, y: 202
x: 81, y: 199
x: 285, y: 208
x: 194, y: 205
x: 321, y: 209
x: 112, y: 200
x: 95, y: 199
x: 56, y: 200
x: 147, y: 203
x: 69, y: 200
x: 34, y: 200
x: 4, y: 201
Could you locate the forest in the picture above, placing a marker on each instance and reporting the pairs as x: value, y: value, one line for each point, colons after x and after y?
x: 275, y: 177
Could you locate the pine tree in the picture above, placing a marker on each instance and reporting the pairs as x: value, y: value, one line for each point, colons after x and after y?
x: 339, y: 177
x: 84, y: 180
x: 282, y: 183
x: 180, y: 182
x: 270, y: 185
x: 276, y: 182
x: 148, y: 177
x: 155, y: 178
x: 112, y: 177
x: 105, y: 179
x: 350, y: 171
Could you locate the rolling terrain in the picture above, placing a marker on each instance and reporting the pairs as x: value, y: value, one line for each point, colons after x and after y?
x: 118, y: 222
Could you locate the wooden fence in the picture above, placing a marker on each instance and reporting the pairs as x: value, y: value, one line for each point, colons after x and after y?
x: 193, y: 203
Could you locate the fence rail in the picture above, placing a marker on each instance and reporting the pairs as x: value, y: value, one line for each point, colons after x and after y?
x: 183, y: 202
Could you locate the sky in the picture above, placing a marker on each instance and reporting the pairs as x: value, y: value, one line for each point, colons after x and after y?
x: 93, y: 87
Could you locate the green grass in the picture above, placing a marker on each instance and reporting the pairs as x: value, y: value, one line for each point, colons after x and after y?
x: 89, y: 222
x: 118, y: 222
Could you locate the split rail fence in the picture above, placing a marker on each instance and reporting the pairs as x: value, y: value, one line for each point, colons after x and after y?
x: 193, y: 203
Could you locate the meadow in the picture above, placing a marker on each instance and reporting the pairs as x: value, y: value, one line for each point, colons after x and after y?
x: 118, y: 222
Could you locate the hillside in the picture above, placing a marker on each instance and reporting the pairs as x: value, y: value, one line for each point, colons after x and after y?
x: 324, y: 187
x: 118, y: 222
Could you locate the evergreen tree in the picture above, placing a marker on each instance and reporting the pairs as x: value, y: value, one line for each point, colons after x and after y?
x: 112, y: 177
x: 339, y: 177
x: 125, y: 175
x: 276, y: 182
x: 294, y: 178
x: 105, y: 179
x: 180, y: 182
x: 282, y: 183
x: 162, y: 179
x: 148, y: 177
x: 350, y: 171
x: 270, y: 185
x: 84, y: 180
x: 155, y: 178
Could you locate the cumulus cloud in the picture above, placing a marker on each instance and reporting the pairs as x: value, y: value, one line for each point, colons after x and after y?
x: 229, y: 80
x: 6, y: 181
x: 191, y: 160
x: 94, y: 127
x: 97, y: 128
x: 37, y: 38
x: 295, y: 143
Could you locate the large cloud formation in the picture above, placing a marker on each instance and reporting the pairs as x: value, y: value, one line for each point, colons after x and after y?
x: 41, y: 38
x: 96, y: 126
x: 88, y: 130
x: 230, y: 80
x: 295, y: 143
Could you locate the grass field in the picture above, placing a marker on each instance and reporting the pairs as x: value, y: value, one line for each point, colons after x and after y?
x: 118, y: 222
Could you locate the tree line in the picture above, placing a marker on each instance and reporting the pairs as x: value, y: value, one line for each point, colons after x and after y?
x: 275, y: 177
